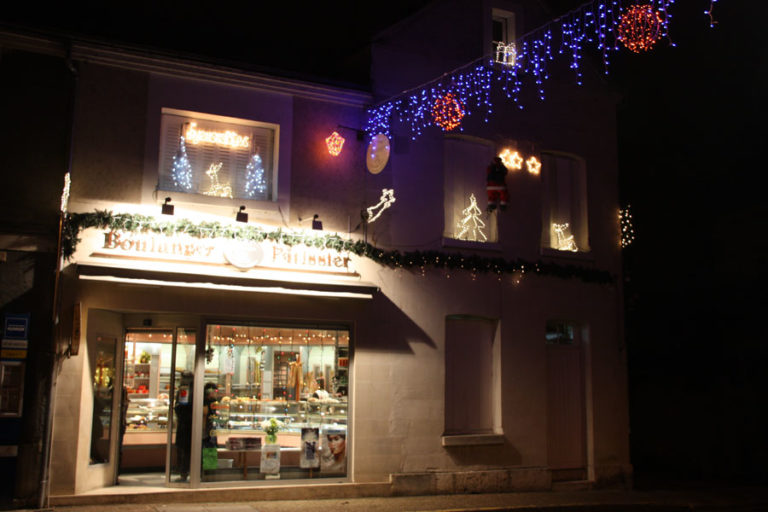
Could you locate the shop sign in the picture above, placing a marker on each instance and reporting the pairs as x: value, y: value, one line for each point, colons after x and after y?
x: 242, y: 255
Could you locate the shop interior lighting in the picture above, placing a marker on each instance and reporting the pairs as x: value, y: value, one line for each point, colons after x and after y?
x: 241, y: 215
x: 167, y: 208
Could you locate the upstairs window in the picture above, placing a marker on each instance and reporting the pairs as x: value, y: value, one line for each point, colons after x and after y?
x: 218, y: 156
x: 564, y: 222
x: 465, y: 189
x: 502, y: 28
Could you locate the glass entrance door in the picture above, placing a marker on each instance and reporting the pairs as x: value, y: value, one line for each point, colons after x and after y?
x: 182, y: 379
x: 156, y: 415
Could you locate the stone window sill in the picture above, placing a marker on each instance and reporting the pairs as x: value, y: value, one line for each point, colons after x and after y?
x: 472, y: 439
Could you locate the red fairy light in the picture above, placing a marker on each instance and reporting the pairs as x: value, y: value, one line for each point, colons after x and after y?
x: 447, y: 112
x: 334, y: 142
x: 639, y: 28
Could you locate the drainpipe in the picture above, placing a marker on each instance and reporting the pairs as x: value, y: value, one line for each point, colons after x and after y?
x: 43, y: 494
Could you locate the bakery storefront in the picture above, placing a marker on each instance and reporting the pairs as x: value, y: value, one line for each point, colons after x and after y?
x: 205, y: 361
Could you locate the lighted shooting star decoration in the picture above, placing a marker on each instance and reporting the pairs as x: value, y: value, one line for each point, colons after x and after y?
x: 471, y: 225
x: 564, y: 243
x: 386, y: 200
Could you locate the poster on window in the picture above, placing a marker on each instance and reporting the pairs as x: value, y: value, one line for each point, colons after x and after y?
x: 310, y: 439
x: 333, y: 455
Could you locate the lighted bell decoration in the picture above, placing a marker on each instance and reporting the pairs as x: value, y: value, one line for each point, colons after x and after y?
x: 639, y: 28
x: 335, y: 142
x: 447, y: 112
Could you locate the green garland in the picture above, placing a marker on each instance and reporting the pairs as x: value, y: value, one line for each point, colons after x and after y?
x: 76, y: 222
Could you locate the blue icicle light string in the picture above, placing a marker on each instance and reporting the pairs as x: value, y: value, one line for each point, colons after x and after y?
x: 592, y: 25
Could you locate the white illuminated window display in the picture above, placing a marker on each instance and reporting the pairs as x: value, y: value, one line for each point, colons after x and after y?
x: 291, y: 383
x: 217, y: 157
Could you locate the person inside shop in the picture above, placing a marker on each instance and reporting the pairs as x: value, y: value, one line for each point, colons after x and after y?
x: 334, y: 458
x: 210, y: 392
x: 321, y: 393
x: 183, y: 411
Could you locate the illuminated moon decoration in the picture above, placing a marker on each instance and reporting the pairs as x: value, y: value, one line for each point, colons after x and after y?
x: 447, y: 112
x: 639, y: 28
x: 377, y: 156
x: 386, y: 200
x: 335, y: 142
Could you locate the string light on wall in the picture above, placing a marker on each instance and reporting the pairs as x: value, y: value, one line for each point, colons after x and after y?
x: 534, y: 165
x: 712, y: 21
x: 335, y: 142
x: 627, y: 230
x: 594, y: 24
x: 471, y: 226
x: 639, y: 28
x: 181, y: 171
x: 447, y: 112
x: 511, y: 159
x: 75, y: 223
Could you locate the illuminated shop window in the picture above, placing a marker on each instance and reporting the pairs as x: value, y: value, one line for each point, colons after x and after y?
x: 276, y: 402
x: 564, y: 204
x: 217, y: 156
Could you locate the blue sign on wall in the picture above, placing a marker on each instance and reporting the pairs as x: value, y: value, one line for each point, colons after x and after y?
x: 16, y: 326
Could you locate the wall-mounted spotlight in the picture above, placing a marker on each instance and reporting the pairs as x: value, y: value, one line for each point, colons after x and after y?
x: 316, y: 222
x: 167, y: 208
x: 241, y: 215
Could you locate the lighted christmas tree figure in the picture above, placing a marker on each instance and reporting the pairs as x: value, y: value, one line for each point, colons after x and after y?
x: 182, y: 170
x: 254, y: 177
x: 471, y: 225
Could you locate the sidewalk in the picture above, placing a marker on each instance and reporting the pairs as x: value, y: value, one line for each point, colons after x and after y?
x: 741, y: 499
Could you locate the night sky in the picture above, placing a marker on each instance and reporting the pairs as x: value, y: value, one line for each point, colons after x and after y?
x: 689, y: 134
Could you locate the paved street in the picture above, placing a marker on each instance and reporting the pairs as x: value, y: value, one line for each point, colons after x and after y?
x: 742, y: 499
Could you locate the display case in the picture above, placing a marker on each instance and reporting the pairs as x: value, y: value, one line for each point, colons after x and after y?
x: 146, y: 415
x: 236, y: 416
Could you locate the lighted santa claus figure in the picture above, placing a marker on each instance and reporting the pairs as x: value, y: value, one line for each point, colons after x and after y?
x: 496, y: 185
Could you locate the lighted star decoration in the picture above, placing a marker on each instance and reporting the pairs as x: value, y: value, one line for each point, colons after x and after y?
x: 386, y: 200
x: 447, y: 112
x: 639, y: 28
x: 217, y: 189
x: 564, y: 242
x: 334, y: 142
x: 533, y: 165
x: 471, y: 225
x: 511, y: 159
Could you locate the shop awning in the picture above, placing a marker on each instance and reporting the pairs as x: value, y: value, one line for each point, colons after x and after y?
x: 316, y: 288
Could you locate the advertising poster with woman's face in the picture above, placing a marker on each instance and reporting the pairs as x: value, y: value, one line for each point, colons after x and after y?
x: 334, y: 452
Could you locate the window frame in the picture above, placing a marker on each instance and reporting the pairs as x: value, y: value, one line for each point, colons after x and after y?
x: 198, y: 198
x: 579, y: 218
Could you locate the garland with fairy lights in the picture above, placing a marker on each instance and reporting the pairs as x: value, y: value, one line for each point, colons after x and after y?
x: 594, y: 24
x: 74, y: 223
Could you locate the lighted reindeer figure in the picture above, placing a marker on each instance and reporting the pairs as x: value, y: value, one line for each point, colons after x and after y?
x: 564, y: 243
x: 217, y: 189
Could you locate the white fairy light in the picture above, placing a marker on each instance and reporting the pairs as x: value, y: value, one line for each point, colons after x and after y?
x: 564, y: 243
x: 471, y: 225
x: 385, y: 201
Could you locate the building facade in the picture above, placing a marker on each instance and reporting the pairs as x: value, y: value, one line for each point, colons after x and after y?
x: 244, y: 297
